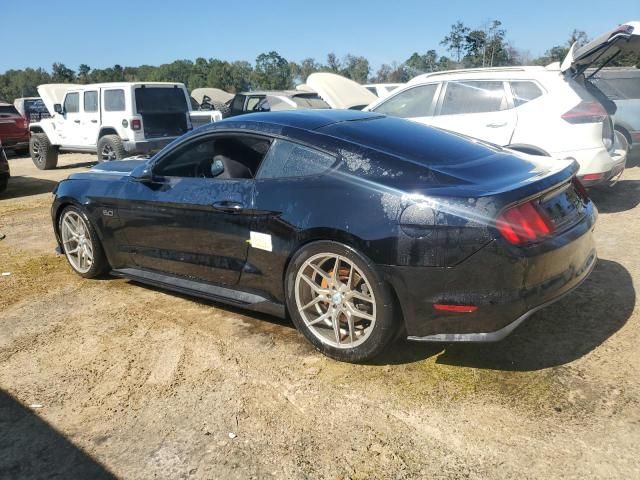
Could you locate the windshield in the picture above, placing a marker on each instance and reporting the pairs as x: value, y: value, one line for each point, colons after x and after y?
x: 160, y: 100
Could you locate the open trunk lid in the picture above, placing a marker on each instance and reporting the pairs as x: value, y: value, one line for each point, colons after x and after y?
x: 623, y: 39
x: 340, y: 92
x: 52, y: 93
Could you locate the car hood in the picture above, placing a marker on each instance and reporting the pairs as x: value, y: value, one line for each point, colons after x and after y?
x: 624, y: 38
x: 116, y: 168
x: 340, y: 92
x: 52, y: 93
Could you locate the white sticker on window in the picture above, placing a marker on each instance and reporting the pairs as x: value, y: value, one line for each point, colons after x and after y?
x: 261, y: 241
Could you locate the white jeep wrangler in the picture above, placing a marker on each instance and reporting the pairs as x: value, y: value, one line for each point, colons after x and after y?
x: 114, y: 120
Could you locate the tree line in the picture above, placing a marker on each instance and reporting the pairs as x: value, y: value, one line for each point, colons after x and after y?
x: 483, y: 46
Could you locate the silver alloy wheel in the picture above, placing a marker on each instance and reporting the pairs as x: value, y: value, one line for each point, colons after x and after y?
x: 76, y: 241
x: 107, y: 153
x: 335, y: 300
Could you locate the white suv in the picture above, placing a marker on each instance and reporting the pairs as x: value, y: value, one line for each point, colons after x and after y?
x: 114, y: 120
x: 545, y: 111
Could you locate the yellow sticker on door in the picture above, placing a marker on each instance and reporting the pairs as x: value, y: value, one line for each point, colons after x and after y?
x: 261, y: 241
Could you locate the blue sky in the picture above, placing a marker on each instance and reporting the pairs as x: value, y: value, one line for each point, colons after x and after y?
x: 146, y: 32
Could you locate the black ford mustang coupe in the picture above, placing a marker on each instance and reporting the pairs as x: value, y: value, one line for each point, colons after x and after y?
x: 360, y: 226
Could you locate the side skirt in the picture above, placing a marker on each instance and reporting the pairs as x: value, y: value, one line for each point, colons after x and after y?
x: 237, y: 298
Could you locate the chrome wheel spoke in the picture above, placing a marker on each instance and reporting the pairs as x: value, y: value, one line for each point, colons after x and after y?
x: 359, y: 313
x: 360, y: 296
x: 321, y: 318
x: 335, y: 320
x: 351, y: 326
x: 314, y: 286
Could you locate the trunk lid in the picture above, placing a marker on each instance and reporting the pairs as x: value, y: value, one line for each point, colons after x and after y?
x: 340, y: 92
x: 623, y: 39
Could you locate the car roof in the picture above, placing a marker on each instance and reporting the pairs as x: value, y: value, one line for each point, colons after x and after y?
x: 488, y: 73
x: 307, y: 119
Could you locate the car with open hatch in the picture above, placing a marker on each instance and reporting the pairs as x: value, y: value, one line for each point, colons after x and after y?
x: 360, y: 226
x: 555, y: 111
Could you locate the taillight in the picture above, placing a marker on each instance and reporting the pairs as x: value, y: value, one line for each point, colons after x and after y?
x: 136, y: 124
x: 586, y: 112
x: 524, y: 223
x: 582, y: 192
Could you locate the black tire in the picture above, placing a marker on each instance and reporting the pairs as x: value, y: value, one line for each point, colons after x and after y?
x: 4, y: 181
x: 110, y: 148
x: 100, y: 264
x: 43, y: 154
x: 385, y: 326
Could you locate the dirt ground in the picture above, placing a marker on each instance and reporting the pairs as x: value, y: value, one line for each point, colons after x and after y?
x: 102, y: 378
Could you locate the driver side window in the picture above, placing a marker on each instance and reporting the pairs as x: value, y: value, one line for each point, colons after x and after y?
x: 220, y: 157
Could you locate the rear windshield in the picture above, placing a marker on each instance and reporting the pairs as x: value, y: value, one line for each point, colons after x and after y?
x: 160, y: 100
x: 35, y: 106
x: 8, y: 109
x: 419, y: 143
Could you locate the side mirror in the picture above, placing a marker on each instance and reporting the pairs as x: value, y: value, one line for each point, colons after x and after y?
x: 217, y: 167
x: 144, y: 176
x: 57, y: 108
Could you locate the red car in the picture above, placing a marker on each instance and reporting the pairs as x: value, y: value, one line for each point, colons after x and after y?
x: 14, y: 129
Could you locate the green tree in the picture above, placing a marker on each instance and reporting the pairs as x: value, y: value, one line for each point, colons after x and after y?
x: 455, y: 41
x: 355, y: 68
x: 272, y: 72
x: 83, y: 73
x: 61, y: 74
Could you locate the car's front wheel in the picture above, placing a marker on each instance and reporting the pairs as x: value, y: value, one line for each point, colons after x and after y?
x: 43, y: 154
x: 80, y: 243
x: 339, y: 302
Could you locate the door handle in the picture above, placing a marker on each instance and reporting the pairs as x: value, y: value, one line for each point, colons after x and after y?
x: 94, y: 121
x: 497, y: 124
x: 77, y: 121
x: 228, y: 206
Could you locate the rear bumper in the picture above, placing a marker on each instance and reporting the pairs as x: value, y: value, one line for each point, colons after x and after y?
x: 598, y: 165
x: 147, y: 146
x: 506, y: 283
x: 16, y: 142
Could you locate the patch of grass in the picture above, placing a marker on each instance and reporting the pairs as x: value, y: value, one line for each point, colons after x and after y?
x: 30, y: 275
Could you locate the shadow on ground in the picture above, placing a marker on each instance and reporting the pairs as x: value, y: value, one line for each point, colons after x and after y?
x: 31, y: 448
x: 556, y: 335
x: 27, y: 186
x: 623, y: 196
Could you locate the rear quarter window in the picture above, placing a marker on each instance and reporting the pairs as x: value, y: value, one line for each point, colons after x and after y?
x: 524, y: 92
x: 287, y: 159
x: 114, y: 100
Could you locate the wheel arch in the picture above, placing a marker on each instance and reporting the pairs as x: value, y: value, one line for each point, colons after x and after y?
x: 349, y: 240
x: 529, y: 149
x: 624, y: 131
x: 107, y: 131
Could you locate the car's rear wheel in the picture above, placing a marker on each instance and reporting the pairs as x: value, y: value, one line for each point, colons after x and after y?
x: 81, y: 244
x: 4, y: 181
x: 43, y: 154
x: 110, y: 148
x: 339, y: 302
